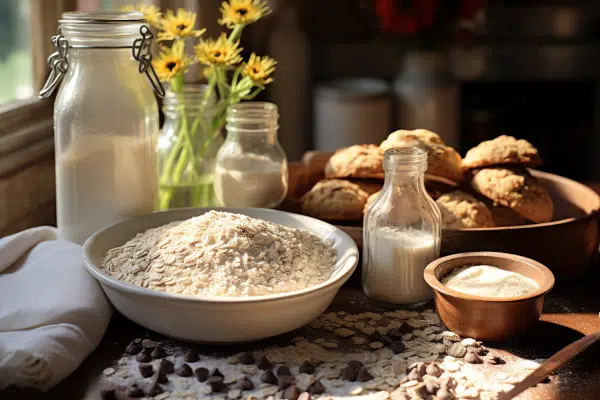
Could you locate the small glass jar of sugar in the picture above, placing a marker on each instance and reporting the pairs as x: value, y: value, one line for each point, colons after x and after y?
x: 251, y: 167
x: 401, y: 232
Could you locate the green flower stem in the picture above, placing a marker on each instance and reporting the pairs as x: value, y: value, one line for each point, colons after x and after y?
x: 235, y: 34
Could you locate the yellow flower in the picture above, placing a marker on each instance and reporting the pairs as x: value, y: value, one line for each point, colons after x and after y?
x: 242, y: 12
x: 218, y: 52
x: 170, y: 62
x: 259, y: 69
x: 179, y: 25
x: 151, y: 13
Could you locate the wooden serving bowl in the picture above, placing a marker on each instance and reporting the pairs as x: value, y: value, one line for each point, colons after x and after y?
x: 488, y: 318
x: 566, y: 245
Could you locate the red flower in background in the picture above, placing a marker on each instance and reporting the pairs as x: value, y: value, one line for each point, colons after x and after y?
x: 405, y: 17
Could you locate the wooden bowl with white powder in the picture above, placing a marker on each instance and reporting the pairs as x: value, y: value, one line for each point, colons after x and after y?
x: 221, y: 275
x: 488, y: 295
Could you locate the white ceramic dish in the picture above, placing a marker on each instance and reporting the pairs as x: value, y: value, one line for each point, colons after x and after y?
x: 219, y: 319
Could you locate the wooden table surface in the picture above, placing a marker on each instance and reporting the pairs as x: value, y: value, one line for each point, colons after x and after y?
x: 569, y: 312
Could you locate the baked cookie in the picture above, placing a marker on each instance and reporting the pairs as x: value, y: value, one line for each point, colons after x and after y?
x: 370, y: 201
x: 516, y: 189
x: 338, y: 200
x: 504, y: 150
x: 504, y: 216
x: 442, y: 160
x: 359, y: 161
x: 461, y: 210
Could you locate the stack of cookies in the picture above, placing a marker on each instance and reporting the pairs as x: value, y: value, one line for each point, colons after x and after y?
x: 496, y: 189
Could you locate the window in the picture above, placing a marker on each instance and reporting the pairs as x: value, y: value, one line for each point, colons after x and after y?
x: 16, y: 63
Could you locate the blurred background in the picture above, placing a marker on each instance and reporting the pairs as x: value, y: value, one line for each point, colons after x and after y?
x: 352, y: 71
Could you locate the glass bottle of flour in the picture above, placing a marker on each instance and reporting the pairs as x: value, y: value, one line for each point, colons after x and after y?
x: 251, y: 167
x: 401, y: 232
x: 105, y: 120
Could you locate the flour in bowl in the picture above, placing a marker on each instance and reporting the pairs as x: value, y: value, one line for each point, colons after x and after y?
x: 222, y: 254
x: 489, y: 281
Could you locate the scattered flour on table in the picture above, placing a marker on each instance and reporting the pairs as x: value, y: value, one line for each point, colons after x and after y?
x: 485, y: 280
x: 222, y: 254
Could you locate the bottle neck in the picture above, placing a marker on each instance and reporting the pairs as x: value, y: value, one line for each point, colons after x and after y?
x: 252, y: 122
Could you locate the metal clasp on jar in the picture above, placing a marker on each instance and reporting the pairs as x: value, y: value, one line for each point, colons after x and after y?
x: 140, y: 49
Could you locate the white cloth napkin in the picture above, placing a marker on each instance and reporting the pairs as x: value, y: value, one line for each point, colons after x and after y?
x: 52, y: 312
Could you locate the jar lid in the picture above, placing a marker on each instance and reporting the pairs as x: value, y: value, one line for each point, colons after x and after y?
x: 102, y: 17
x: 354, y: 89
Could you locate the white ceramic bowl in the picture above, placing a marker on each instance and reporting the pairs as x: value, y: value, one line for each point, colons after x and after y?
x: 219, y: 319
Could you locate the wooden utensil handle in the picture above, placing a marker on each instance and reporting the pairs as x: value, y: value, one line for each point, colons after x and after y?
x: 551, y: 365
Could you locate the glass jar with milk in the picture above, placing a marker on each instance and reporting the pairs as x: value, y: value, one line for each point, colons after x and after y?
x: 251, y: 167
x: 105, y: 121
x: 401, y: 232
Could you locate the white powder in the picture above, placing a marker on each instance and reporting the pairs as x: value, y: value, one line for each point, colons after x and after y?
x: 250, y: 180
x: 102, y: 179
x: 222, y: 254
x: 488, y: 281
x: 397, y: 259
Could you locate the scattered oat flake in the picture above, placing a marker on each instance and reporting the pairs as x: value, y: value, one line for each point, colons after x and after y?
x: 330, y: 345
x: 376, y: 345
x: 108, y: 371
x: 359, y: 341
x: 356, y: 391
x: 319, y: 341
x: 343, y: 332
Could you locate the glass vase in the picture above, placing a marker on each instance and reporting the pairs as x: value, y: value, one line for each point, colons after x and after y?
x: 187, y: 146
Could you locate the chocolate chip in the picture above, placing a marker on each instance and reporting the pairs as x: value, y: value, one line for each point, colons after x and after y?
x: 457, y: 350
x: 490, y: 360
x: 108, y: 394
x: 306, y: 368
x: 386, y: 340
x: 246, y: 384
x: 191, y: 356
x: 419, y: 391
x: 316, y: 388
x: 264, y: 363
x: 355, y: 364
x: 398, y: 346
x: 216, y: 372
x: 349, y: 373
x: 414, y: 375
x: 283, y: 370
x: 444, y: 394
x: 135, y: 391
x: 405, y: 328
x: 432, y: 386
x: 201, y: 374
x: 133, y: 348
x: 216, y: 383
x: 304, y: 396
x: 149, y: 344
x: 158, y: 352
x: 268, y: 377
x: 166, y: 366
x: 291, y: 393
x: 155, y: 390
x: 364, y: 375
x: 161, y: 377
x: 434, y: 370
x: 247, y: 358
x: 472, y: 358
x: 184, y: 370
x: 395, y: 334
x: 146, y: 370
x: 284, y: 381
x: 144, y: 357
x: 375, y: 337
